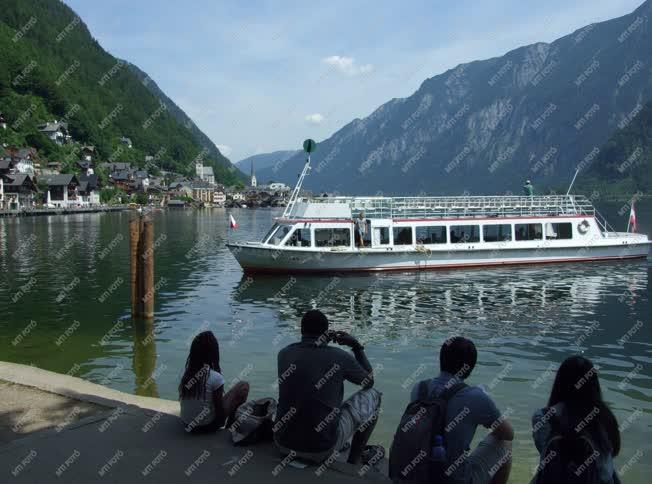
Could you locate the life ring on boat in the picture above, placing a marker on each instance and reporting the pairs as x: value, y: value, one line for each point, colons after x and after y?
x: 583, y: 227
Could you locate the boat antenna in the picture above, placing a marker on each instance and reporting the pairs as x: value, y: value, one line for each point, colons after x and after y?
x: 573, y: 181
x: 308, y: 146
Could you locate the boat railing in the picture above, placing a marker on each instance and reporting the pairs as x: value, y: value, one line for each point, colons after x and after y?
x: 464, y: 206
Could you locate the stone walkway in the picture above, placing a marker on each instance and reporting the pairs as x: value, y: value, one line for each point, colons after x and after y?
x: 60, y: 428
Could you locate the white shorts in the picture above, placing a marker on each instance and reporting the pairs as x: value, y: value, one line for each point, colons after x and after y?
x: 356, y: 411
x: 487, y: 458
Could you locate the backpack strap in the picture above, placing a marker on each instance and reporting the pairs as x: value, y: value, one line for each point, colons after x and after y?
x: 422, y: 391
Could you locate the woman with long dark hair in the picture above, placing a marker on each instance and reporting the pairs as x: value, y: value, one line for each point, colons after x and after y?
x: 204, y: 405
x: 576, y: 413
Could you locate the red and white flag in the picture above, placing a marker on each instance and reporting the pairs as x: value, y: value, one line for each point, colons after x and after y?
x: 632, y: 219
x: 232, y: 222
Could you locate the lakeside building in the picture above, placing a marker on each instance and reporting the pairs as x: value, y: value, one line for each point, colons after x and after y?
x: 88, y: 189
x: 62, y: 190
x: 17, y: 191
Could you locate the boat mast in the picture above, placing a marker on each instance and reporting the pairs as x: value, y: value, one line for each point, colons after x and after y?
x: 573, y: 181
x: 308, y: 146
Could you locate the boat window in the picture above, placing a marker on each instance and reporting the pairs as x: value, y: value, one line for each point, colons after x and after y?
x: 529, y: 231
x: 462, y: 234
x: 280, y: 234
x: 559, y: 231
x: 435, y: 234
x: 271, y: 231
x: 380, y: 236
x: 300, y: 238
x: 402, y: 235
x: 497, y: 233
x: 333, y: 237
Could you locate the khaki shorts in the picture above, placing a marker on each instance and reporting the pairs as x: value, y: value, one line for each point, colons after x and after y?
x: 487, y: 458
x: 359, y: 409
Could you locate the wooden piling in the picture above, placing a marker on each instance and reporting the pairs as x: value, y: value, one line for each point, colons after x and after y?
x: 141, y: 247
x: 134, y: 237
x: 147, y: 257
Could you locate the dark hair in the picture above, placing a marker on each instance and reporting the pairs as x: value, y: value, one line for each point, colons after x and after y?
x: 577, y: 386
x: 204, y: 356
x: 314, y: 323
x: 458, y: 356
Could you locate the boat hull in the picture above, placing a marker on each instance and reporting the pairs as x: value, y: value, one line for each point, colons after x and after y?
x: 263, y: 259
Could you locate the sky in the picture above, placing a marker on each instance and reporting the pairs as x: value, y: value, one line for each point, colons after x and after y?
x: 258, y: 76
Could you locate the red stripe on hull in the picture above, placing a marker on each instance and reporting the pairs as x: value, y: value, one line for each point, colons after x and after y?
x: 274, y: 270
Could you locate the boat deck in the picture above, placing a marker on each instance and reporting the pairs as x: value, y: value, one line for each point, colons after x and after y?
x: 457, y: 207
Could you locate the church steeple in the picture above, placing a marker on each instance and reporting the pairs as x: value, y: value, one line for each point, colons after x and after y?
x: 253, y: 175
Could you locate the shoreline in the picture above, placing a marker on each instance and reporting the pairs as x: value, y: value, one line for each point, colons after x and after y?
x: 35, y: 212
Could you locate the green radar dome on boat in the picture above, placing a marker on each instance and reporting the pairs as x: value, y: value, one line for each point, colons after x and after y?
x: 309, y: 145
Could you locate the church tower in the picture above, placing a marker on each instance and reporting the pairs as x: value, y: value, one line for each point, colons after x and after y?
x: 253, y: 175
x: 199, y: 168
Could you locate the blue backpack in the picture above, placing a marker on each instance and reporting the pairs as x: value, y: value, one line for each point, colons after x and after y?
x: 410, y: 455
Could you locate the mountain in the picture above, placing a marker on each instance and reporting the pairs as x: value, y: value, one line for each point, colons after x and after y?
x: 270, y: 161
x: 537, y: 112
x: 624, y: 164
x: 178, y: 114
x: 52, y: 68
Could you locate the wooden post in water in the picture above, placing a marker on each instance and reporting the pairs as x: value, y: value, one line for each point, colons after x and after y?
x: 147, y: 256
x: 141, y: 246
x: 134, y: 237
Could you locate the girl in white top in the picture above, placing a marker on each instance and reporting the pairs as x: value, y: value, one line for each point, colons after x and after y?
x: 204, y: 405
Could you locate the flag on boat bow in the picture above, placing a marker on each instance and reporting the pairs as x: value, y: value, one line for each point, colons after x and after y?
x: 232, y: 223
x: 632, y: 219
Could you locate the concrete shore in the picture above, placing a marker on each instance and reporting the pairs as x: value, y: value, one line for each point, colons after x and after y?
x: 55, y: 427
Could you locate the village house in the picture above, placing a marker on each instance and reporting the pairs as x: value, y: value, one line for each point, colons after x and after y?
x: 121, y: 180
x: 219, y: 196
x: 202, y: 191
x: 88, y: 153
x: 86, y: 167
x: 180, y: 189
x: 6, y: 166
x: 56, y: 131
x: 235, y: 195
x: 24, y: 160
x: 62, y: 190
x: 117, y: 166
x: 52, y: 168
x: 126, y: 141
x: 89, y: 189
x: 17, y: 191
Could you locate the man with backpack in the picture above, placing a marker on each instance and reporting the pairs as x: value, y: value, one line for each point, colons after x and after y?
x: 432, y: 442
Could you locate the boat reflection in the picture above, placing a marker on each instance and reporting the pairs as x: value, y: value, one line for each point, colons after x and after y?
x: 488, y: 304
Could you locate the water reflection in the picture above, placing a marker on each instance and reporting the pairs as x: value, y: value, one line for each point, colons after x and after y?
x: 504, y: 302
x: 144, y: 359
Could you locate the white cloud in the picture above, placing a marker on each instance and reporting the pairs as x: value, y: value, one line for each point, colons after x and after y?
x: 315, y: 118
x: 225, y: 149
x: 347, y: 65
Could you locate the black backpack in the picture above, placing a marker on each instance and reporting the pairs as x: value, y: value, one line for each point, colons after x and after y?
x: 569, y: 457
x: 409, y: 457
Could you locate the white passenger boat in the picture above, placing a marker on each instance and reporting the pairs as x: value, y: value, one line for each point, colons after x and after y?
x: 318, y: 235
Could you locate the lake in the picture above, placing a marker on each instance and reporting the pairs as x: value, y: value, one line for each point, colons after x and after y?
x: 64, y: 306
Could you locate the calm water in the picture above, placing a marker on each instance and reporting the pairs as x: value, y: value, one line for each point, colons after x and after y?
x: 64, y: 306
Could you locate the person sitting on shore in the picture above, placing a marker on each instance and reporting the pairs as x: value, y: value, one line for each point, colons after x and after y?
x: 312, y: 420
x: 205, y: 407
x: 576, y: 430
x: 468, y: 407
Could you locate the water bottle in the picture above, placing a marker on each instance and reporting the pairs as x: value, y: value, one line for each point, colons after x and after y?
x: 438, y: 452
x: 437, y: 461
